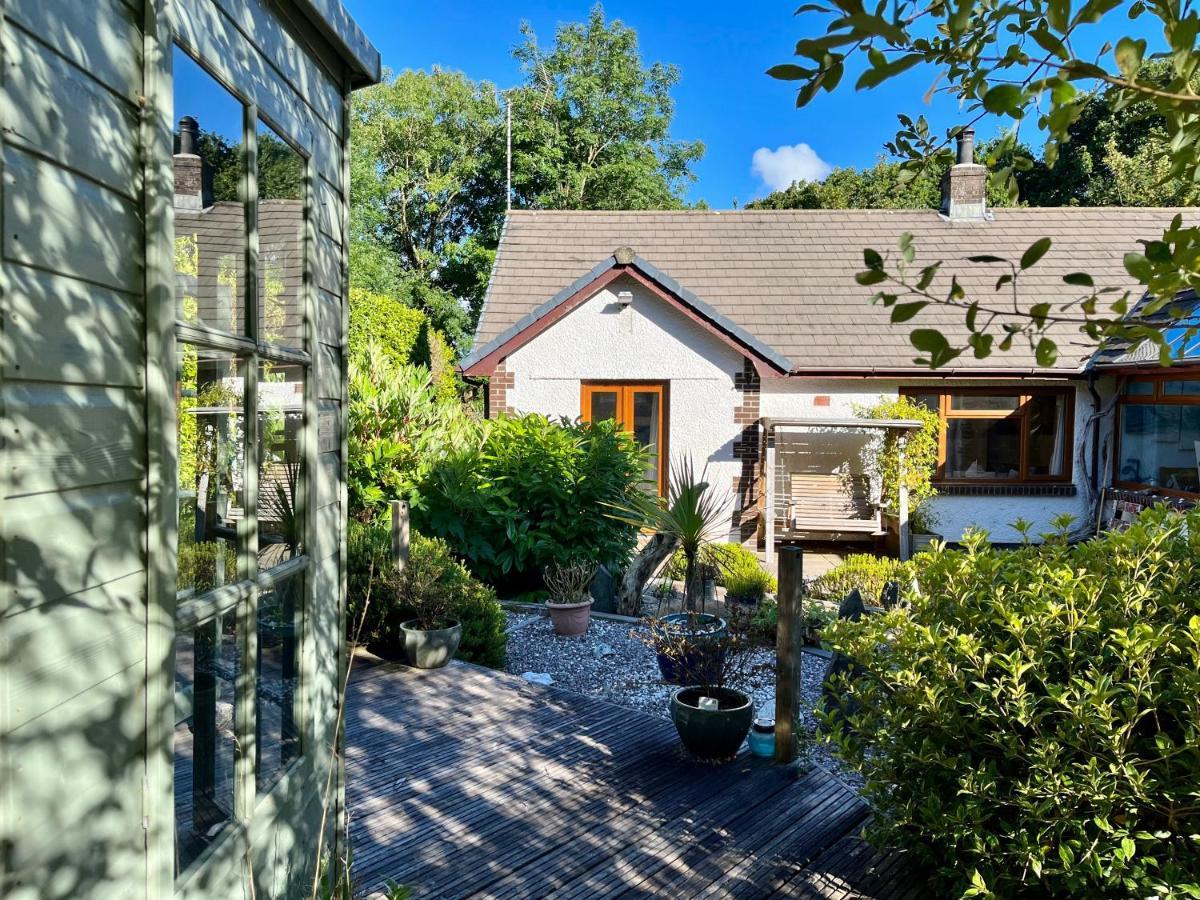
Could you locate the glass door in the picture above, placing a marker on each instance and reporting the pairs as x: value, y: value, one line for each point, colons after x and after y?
x: 640, y: 409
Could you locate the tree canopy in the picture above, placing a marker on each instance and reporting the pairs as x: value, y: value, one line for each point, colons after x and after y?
x: 1026, y: 63
x: 590, y: 130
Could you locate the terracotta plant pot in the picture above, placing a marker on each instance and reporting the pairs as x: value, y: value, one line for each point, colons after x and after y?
x: 712, y: 734
x: 570, y: 619
x: 430, y: 649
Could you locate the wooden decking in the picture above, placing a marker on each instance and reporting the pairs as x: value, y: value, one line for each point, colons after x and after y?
x: 465, y: 782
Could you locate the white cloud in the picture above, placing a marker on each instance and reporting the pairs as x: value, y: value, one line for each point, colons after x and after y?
x: 778, y: 168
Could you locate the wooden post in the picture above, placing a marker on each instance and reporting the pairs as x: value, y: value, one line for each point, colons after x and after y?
x: 902, y: 501
x: 787, y: 651
x: 400, y: 534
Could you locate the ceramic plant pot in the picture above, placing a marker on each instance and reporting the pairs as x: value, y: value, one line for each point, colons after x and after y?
x: 713, y: 735
x: 570, y: 619
x: 430, y: 649
x: 703, y: 662
x: 923, y: 542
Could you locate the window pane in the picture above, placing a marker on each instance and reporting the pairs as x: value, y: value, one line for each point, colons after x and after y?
x: 210, y: 219
x: 209, y: 393
x: 1047, y: 434
x: 1139, y: 389
x: 646, y: 416
x: 281, y: 435
x: 279, y: 616
x: 1182, y: 388
x: 985, y: 402
x: 206, y: 672
x: 929, y: 401
x: 604, y: 405
x: 983, y: 448
x: 1160, y: 446
x: 280, y: 240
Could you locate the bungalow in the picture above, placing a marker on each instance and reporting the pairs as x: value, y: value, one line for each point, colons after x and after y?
x: 741, y: 338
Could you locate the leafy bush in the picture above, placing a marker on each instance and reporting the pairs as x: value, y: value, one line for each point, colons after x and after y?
x: 749, y: 582
x: 725, y: 558
x: 1030, y: 723
x: 432, y: 572
x: 920, y: 454
x: 198, y: 564
x: 861, y: 570
x: 399, y: 426
x: 532, y: 493
x: 401, y: 333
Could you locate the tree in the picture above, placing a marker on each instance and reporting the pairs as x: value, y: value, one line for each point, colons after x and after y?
x: 280, y: 168
x: 592, y: 123
x: 1021, y: 62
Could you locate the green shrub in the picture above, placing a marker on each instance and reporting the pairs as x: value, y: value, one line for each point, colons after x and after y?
x: 398, y: 427
x: 749, y: 582
x: 1029, y: 723
x: 920, y: 454
x: 198, y: 564
x: 725, y: 558
x: 531, y: 494
x: 370, y: 568
x: 861, y: 570
x: 402, y: 333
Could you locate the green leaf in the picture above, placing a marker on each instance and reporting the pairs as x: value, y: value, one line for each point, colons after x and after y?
x: 1046, y: 353
x: 1035, y: 252
x: 1129, y: 54
x: 870, y: 277
x: 1004, y: 99
x: 872, y: 259
x: 902, y: 312
x: 1058, y: 14
x: 789, y: 72
x: 1139, y: 267
x: 1079, y: 279
x: 986, y: 258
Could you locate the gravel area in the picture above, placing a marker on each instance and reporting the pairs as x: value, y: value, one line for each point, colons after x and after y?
x: 612, y: 662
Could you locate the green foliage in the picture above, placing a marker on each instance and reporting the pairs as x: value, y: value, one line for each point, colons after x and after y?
x: 726, y: 559
x: 280, y: 168
x: 591, y: 130
x: 1030, y: 723
x: 433, y: 582
x: 533, y: 493
x: 920, y: 451
x: 867, y: 573
x: 402, y: 332
x: 399, y: 425
x: 749, y: 583
x: 198, y: 564
x: 1019, y: 63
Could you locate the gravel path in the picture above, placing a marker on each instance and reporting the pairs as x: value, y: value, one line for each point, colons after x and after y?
x: 610, y: 661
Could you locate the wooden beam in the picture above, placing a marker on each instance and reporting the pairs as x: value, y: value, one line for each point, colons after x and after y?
x: 787, y: 652
x: 400, y: 534
x: 902, y: 502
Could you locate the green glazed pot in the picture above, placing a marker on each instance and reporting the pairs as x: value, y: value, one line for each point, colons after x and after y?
x: 712, y: 735
x: 430, y: 649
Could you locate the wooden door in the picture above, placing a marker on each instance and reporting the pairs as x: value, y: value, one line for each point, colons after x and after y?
x: 641, y: 409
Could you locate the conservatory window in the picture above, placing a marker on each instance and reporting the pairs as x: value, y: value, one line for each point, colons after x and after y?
x: 242, y: 389
x: 1158, y: 435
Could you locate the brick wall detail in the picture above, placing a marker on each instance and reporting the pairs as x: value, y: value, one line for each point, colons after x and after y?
x: 498, y: 386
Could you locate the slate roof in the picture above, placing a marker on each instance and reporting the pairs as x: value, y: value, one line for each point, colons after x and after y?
x: 787, y: 277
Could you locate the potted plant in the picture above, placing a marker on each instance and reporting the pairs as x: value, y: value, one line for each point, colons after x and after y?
x: 711, y: 715
x: 431, y: 637
x: 922, y: 524
x: 570, y: 600
x: 690, y: 514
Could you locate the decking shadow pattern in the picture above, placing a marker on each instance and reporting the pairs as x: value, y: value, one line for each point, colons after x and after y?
x: 464, y: 782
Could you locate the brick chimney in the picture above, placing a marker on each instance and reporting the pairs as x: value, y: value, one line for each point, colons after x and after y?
x: 189, y: 168
x: 964, y: 186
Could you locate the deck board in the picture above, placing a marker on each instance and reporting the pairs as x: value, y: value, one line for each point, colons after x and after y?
x: 465, y: 782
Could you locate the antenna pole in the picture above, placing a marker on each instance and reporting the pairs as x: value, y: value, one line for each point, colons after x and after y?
x: 508, y: 157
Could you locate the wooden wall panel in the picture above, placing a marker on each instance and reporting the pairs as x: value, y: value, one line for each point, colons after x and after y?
x: 329, y: 318
x: 61, y: 222
x: 59, y: 329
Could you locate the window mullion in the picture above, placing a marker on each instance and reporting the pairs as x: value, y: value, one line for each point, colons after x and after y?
x: 248, y: 611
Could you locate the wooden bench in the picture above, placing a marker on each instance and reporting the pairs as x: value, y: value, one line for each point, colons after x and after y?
x: 834, y: 504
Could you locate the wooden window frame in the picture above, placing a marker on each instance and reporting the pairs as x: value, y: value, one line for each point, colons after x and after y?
x: 1023, y: 397
x: 1155, y: 398
x: 625, y: 391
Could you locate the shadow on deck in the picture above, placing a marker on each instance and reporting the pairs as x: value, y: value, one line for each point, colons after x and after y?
x: 466, y: 782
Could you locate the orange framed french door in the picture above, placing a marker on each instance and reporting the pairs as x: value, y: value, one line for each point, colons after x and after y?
x: 641, y: 409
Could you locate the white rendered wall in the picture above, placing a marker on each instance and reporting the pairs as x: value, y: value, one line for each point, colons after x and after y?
x: 646, y: 341
x: 794, y: 398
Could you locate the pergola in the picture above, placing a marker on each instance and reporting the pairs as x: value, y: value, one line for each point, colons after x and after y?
x: 815, y: 483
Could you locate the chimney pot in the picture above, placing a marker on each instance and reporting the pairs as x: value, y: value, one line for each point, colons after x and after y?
x: 966, y: 147
x: 189, y: 135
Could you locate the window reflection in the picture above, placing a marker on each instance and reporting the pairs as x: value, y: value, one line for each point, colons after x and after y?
x: 209, y: 397
x: 210, y: 218
x: 206, y: 673
x: 280, y: 240
x: 281, y: 432
x: 1160, y: 446
x: 278, y: 742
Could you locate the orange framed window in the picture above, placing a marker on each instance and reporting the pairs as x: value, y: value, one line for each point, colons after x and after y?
x: 1158, y: 434
x: 997, y: 436
x: 641, y: 409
